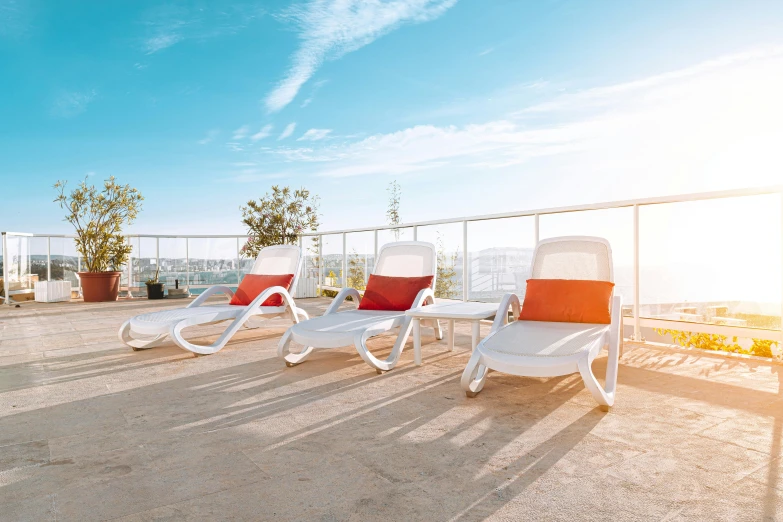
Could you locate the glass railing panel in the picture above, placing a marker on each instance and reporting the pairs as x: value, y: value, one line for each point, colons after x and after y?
x: 360, y: 248
x: 19, y: 265
x: 173, y: 266
x: 213, y: 261
x: 499, y: 254
x: 396, y: 234
x: 447, y: 239
x: 614, y: 225
x: 311, y: 263
x: 64, y: 260
x: 714, y: 262
x: 147, y: 262
x: 332, y: 250
x: 246, y: 261
x: 135, y: 265
x: 38, y: 259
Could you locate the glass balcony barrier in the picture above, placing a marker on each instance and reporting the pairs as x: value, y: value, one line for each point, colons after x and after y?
x: 702, y: 270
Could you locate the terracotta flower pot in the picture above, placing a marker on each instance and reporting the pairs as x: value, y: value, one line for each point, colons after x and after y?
x: 100, y: 286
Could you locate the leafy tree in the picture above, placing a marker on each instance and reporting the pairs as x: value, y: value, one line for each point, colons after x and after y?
x: 278, y: 218
x: 446, y: 280
x: 393, y: 211
x: 98, y: 217
x: 356, y: 274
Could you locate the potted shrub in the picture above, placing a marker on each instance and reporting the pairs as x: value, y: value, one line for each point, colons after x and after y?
x: 98, y: 217
x: 155, y: 287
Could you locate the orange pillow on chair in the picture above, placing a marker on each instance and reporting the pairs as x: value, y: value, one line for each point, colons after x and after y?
x: 393, y: 293
x: 567, y: 301
x: 253, y: 284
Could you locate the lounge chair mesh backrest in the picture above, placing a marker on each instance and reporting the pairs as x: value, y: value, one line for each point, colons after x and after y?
x: 573, y: 258
x: 406, y: 259
x: 276, y: 260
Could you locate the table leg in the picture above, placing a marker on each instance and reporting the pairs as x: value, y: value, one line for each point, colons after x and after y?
x: 417, y: 341
x: 451, y: 335
x: 476, y: 331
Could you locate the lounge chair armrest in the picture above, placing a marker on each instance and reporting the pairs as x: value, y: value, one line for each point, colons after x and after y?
x: 501, y: 317
x: 212, y: 290
x: 425, y: 295
x: 269, y: 292
x: 616, y: 327
x: 340, y: 298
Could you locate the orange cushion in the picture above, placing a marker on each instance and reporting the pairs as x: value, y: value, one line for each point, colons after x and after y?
x: 393, y: 293
x: 253, y: 284
x: 567, y: 301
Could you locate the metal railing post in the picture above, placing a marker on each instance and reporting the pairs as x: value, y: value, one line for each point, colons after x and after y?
x: 415, y: 232
x: 345, y: 262
x: 465, y: 264
x: 320, y: 263
x: 537, y: 228
x: 48, y: 258
x: 130, y: 268
x: 187, y: 262
x: 239, y: 260
x: 375, y: 251
x: 637, y: 325
x: 6, y: 283
x: 780, y: 345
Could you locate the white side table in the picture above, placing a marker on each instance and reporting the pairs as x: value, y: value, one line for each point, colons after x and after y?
x: 462, y: 311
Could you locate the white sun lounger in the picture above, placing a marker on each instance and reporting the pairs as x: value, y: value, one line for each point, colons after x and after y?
x: 150, y: 329
x: 354, y: 327
x: 549, y: 349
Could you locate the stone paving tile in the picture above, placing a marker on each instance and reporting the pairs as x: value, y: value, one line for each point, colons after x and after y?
x: 90, y: 430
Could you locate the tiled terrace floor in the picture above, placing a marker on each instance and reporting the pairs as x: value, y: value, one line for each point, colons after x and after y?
x: 90, y: 430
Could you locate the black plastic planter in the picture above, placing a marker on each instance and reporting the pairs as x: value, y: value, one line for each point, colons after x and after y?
x: 155, y: 290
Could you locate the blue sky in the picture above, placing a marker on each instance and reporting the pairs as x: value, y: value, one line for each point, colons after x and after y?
x: 472, y: 106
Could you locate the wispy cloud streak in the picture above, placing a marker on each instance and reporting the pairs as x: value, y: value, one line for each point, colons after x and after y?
x: 169, y: 24
x: 289, y: 129
x: 315, y: 135
x: 329, y: 29
x: 263, y: 133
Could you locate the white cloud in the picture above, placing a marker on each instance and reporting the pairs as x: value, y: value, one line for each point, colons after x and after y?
x: 263, y: 133
x: 289, y: 129
x: 72, y: 103
x: 315, y: 135
x: 702, y: 127
x: 211, y: 135
x: 329, y: 29
x: 241, y: 132
x: 169, y: 24
x: 161, y: 41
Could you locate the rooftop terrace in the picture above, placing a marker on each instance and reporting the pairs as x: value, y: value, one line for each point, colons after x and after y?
x: 90, y: 430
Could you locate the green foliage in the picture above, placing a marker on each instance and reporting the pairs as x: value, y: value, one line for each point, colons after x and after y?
x: 278, y: 218
x: 446, y: 279
x: 393, y: 211
x: 356, y: 273
x: 155, y: 279
x: 98, y: 217
x: 703, y: 341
